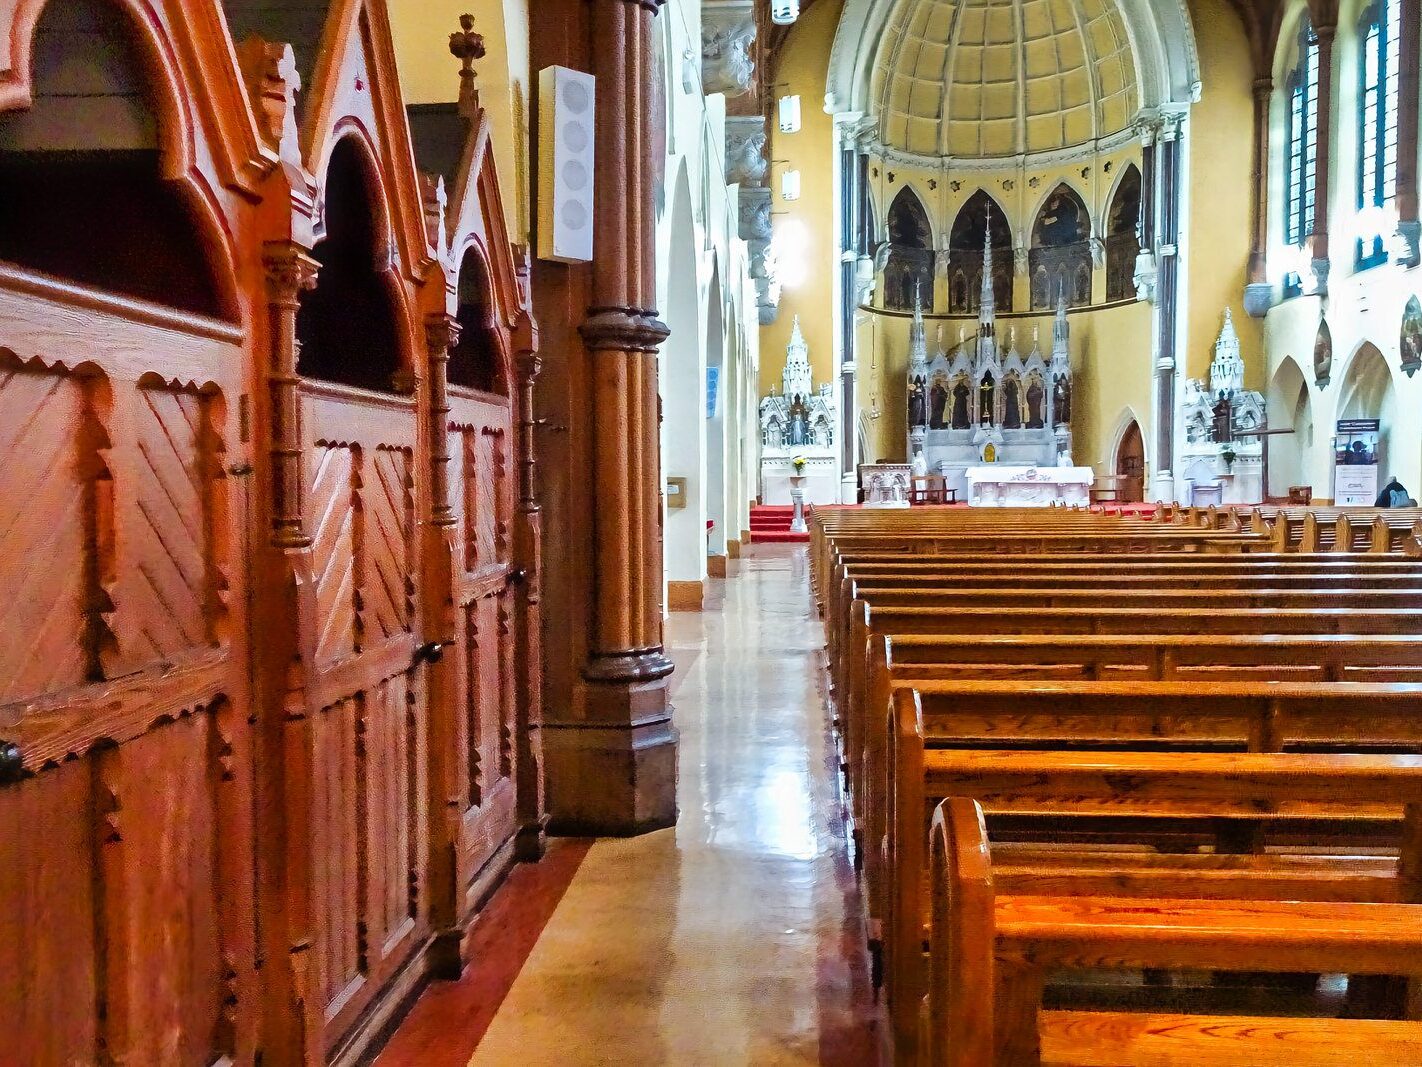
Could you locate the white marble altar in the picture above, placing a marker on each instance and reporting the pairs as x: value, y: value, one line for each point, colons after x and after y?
x: 1001, y: 486
x: 801, y: 421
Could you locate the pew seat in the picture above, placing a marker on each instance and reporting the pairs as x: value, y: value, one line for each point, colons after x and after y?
x: 1140, y: 1039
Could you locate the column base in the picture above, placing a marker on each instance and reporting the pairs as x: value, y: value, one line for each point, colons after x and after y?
x: 716, y: 565
x: 1163, y: 487
x: 685, y: 596
x: 613, y: 779
x: 733, y: 549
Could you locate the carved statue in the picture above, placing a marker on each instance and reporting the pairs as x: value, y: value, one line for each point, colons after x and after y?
x: 961, y: 420
x: 1061, y: 402
x: 1034, y: 404
x: 938, y: 402
x: 1012, y: 393
x: 1224, y: 420
x: 917, y: 414
x: 726, y: 63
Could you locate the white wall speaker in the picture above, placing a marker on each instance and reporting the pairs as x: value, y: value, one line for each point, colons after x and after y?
x: 566, y: 112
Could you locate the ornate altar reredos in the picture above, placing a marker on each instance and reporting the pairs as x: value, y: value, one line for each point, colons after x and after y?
x: 799, y: 421
x: 980, y: 404
x: 1222, y: 421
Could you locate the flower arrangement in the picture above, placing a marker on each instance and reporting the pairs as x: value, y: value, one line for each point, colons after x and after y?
x: 799, y: 464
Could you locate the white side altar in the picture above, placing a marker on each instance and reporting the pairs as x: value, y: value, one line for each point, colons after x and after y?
x: 799, y: 422
x: 1001, y: 486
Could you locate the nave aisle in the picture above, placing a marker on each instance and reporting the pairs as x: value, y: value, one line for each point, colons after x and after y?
x: 732, y: 939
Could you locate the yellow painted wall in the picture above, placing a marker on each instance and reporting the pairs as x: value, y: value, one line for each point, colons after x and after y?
x: 1217, y: 252
x: 429, y: 74
x: 804, y: 68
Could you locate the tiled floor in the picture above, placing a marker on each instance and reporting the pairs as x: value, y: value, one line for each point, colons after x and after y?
x: 731, y: 939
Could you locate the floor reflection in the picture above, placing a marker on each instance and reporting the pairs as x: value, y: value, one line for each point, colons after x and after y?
x: 733, y: 938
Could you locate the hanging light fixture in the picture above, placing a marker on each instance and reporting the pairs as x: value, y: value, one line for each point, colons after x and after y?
x: 784, y: 12
x: 790, y: 114
x: 790, y: 185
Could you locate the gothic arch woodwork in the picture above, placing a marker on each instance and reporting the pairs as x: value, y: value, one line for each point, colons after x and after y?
x: 123, y: 512
x: 173, y: 482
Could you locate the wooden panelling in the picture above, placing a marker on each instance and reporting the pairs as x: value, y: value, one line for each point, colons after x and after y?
x: 264, y: 687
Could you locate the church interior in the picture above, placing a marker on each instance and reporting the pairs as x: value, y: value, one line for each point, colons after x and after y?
x: 719, y: 532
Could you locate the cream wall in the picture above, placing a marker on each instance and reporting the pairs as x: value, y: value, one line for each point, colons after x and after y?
x: 803, y: 68
x: 1361, y: 307
x: 1217, y: 211
x: 429, y: 74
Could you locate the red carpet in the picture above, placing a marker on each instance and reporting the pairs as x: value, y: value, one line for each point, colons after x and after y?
x: 770, y: 524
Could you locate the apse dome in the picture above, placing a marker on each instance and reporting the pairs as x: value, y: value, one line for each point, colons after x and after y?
x: 995, y: 79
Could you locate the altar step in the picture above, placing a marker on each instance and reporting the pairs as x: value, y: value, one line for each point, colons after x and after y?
x: 770, y: 524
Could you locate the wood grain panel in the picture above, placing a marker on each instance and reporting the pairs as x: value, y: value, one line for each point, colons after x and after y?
x: 166, y: 595
x: 333, y: 550
x: 49, y: 473
x: 168, y: 969
x: 49, y: 998
x: 387, y: 514
x: 390, y: 827
x: 336, y: 839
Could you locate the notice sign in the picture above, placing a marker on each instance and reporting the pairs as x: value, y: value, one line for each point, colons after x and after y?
x: 1355, y: 462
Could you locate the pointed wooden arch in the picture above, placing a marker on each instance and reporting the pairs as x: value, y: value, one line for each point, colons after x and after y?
x: 208, y: 140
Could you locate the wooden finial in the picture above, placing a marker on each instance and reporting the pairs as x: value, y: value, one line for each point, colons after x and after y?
x: 467, y: 46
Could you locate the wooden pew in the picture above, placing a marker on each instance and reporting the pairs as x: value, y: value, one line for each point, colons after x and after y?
x: 932, y: 718
x: 990, y: 947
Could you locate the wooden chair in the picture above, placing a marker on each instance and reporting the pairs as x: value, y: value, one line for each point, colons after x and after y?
x: 928, y: 489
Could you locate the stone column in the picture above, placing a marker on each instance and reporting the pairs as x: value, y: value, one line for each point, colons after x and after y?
x: 1167, y: 301
x: 1258, y: 293
x: 609, y: 742
x: 1323, y: 158
x: 1409, y: 228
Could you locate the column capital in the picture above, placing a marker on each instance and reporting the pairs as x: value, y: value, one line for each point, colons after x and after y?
x: 442, y: 332
x: 290, y: 270
x: 623, y: 330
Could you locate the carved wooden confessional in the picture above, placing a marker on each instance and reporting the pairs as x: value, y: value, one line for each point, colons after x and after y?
x: 268, y: 543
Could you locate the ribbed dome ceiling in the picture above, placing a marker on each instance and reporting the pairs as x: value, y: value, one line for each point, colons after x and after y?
x: 994, y: 78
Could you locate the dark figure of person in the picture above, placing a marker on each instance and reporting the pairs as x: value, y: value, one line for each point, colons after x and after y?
x: 1012, y: 418
x: 937, y: 401
x: 1393, y: 495
x: 960, y: 406
x: 1224, y: 420
x: 916, y: 412
x: 1061, y: 402
x: 1034, y: 405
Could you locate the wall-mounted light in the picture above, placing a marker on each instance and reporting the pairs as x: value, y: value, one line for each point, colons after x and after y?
x: 790, y: 114
x: 784, y: 12
x: 790, y: 185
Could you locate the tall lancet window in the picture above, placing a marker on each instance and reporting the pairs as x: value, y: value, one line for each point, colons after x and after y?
x: 980, y: 222
x: 908, y: 269
x: 1301, y: 146
x: 1379, y: 83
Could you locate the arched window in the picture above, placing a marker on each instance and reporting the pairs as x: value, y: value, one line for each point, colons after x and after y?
x: 1379, y: 81
x: 1301, y: 144
x: 1122, y: 242
x: 978, y: 217
x: 909, y: 268
x: 1061, y: 251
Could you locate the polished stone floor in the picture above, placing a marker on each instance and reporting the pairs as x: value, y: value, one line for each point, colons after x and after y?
x: 733, y: 938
